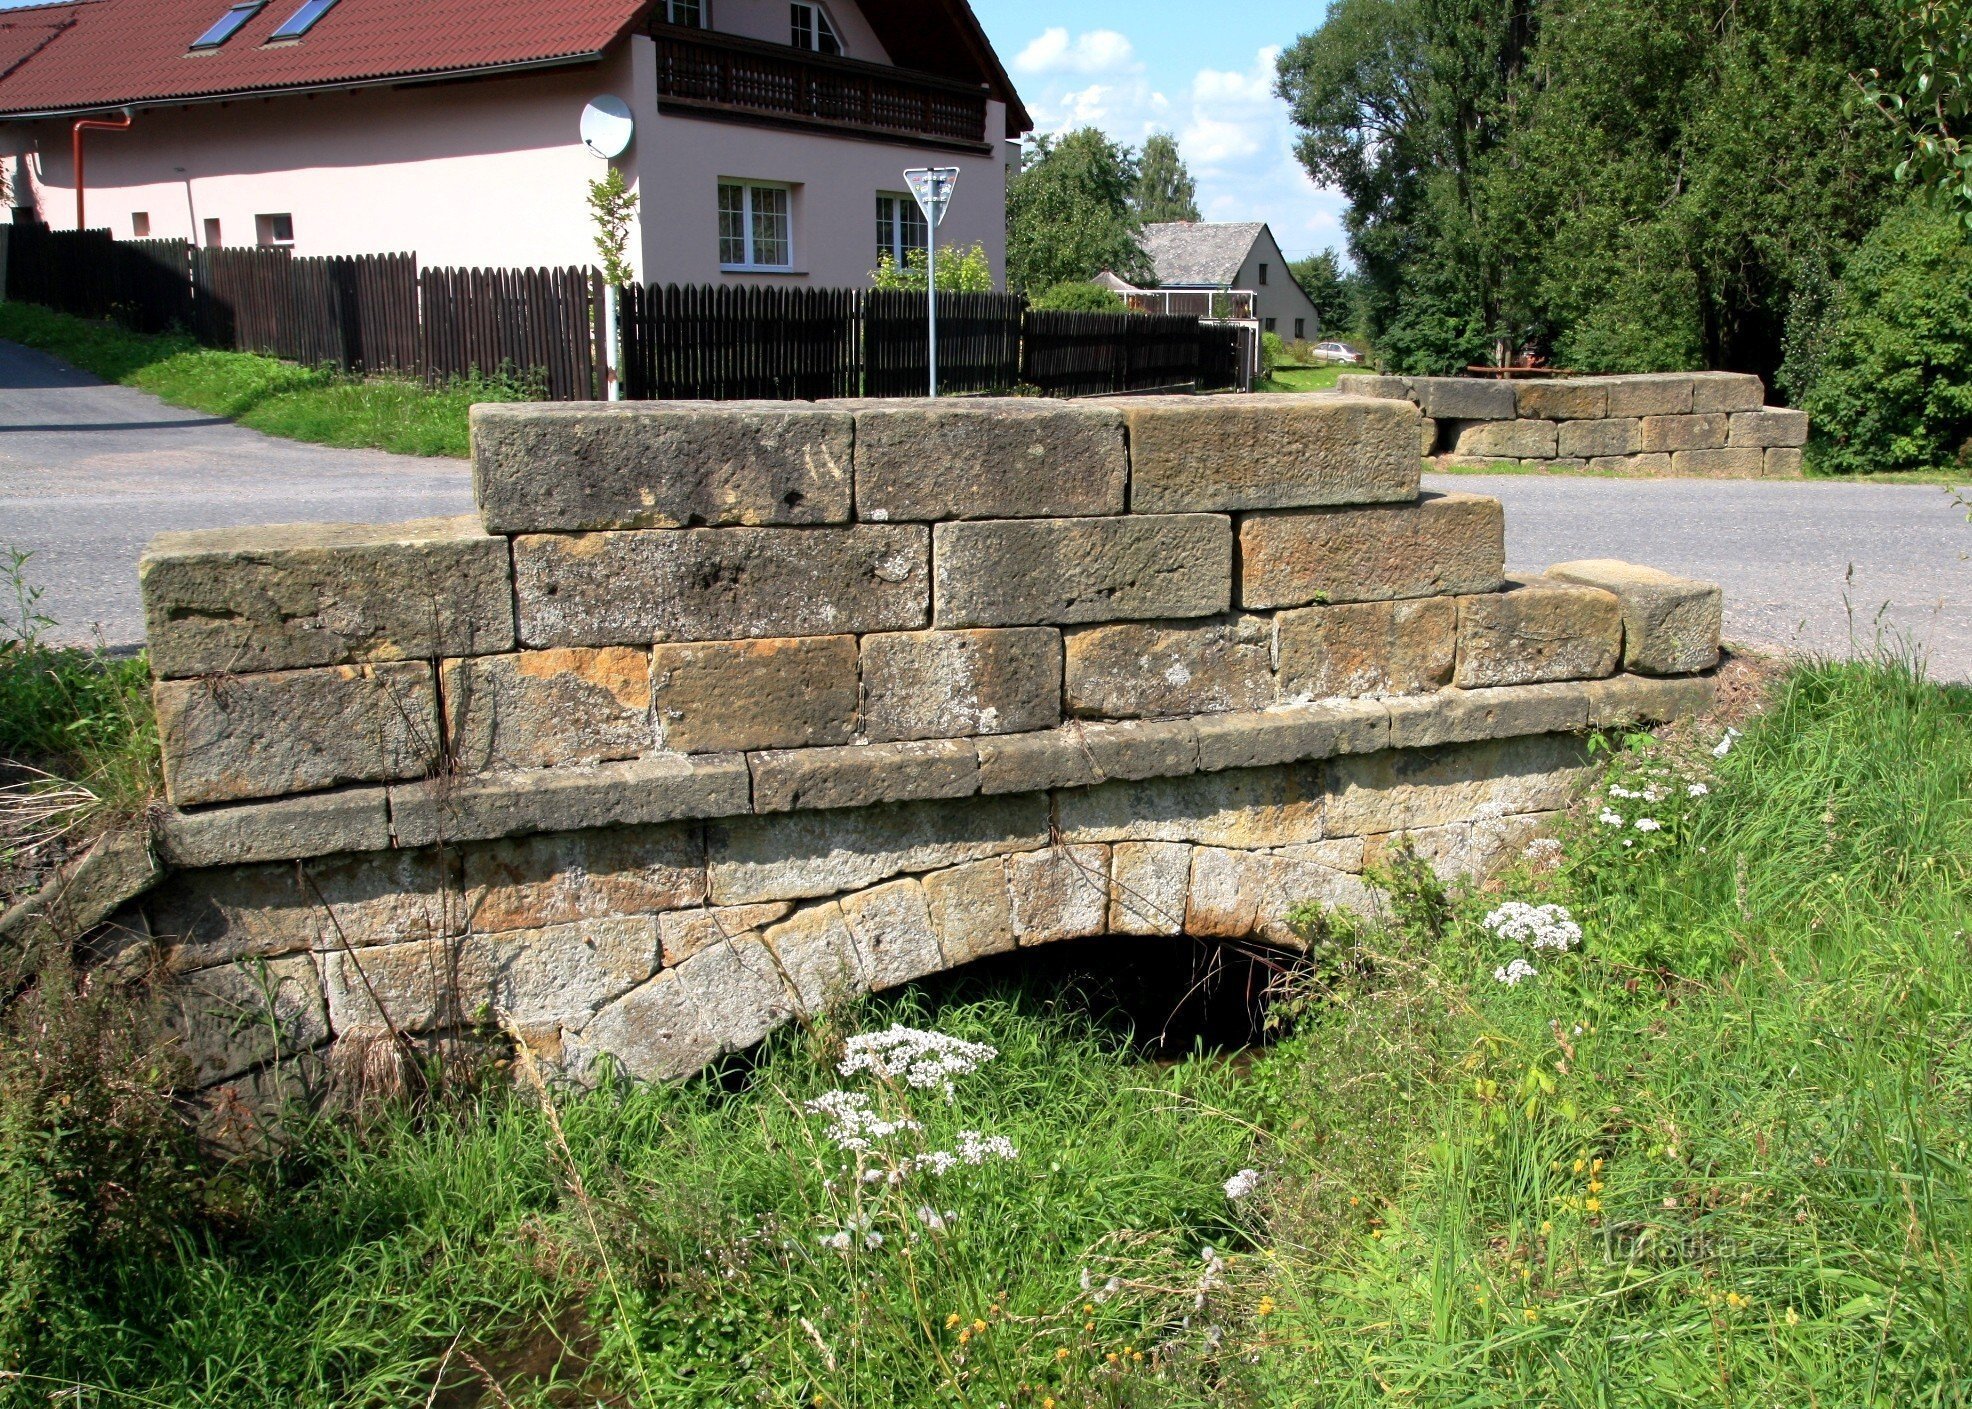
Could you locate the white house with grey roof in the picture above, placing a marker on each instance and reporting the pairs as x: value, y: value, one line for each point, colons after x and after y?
x: 1229, y: 257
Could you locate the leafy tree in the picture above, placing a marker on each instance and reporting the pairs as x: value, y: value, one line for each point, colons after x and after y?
x: 1931, y: 100
x: 1327, y: 287
x: 1079, y: 298
x: 1165, y: 190
x: 614, y: 205
x: 1068, y: 213
x: 960, y: 271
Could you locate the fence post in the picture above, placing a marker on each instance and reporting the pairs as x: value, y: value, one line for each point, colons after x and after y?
x: 612, y: 345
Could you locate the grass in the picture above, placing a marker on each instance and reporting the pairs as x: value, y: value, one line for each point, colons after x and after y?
x: 1322, y: 378
x: 266, y: 394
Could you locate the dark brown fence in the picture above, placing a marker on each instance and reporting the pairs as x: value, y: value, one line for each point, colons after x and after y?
x: 728, y: 344
x: 543, y: 323
x: 1100, y: 354
x: 978, y: 343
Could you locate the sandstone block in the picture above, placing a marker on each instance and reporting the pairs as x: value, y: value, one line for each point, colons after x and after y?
x: 1726, y: 391
x: 543, y: 467
x: 480, y: 807
x: 1770, y: 426
x: 1675, y: 433
x: 1052, y: 758
x: 651, y: 1033
x: 1464, y: 399
x: 1660, y: 394
x: 817, y: 956
x: 1657, y: 464
x: 291, y: 595
x: 1132, y: 669
x: 532, y: 883
x: 1591, y: 439
x: 1625, y: 700
x: 1671, y: 624
x: 992, y: 458
x: 800, y: 855
x: 1526, y: 440
x: 1219, y: 453
x: 895, y: 939
x: 1427, y: 437
x: 1367, y: 648
x: 862, y: 775
x: 722, y: 696
x: 83, y: 893
x: 319, y: 824
x: 1404, y: 789
x: 971, y: 910
x: 726, y: 584
x: 1371, y: 384
x: 1783, y: 463
x: 684, y: 933
x: 1061, y: 892
x: 237, y: 1016
x: 1056, y: 571
x: 950, y: 684
x: 1149, y: 881
x: 1444, y: 545
x: 537, y: 709
x: 1242, y: 894
x: 1291, y: 733
x: 1538, y: 631
x: 739, y: 991
x: 232, y: 737
x: 1464, y: 849
x: 1463, y: 716
x: 1563, y: 400
x: 1720, y: 464
x: 1248, y: 808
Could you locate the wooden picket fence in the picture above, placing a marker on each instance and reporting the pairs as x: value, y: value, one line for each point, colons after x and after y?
x: 730, y: 344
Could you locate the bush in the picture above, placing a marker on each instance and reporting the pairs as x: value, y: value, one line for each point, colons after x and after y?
x: 1273, y: 351
x: 1891, y: 384
x: 960, y: 271
x: 1080, y: 298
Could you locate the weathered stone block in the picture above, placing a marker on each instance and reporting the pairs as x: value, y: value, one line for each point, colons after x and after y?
x: 1527, y: 440
x: 1149, y: 882
x: 739, y: 990
x: 1403, y: 789
x: 1427, y: 436
x: 537, y: 709
x: 950, y: 684
x: 1464, y: 716
x: 1659, y: 464
x: 1133, y: 669
x: 652, y: 1033
x: 1783, y: 463
x: 1624, y: 700
x: 1674, y: 433
x: 1249, y: 807
x: 1726, y: 391
x: 1371, y: 384
x: 1241, y: 894
x: 236, y: 1016
x: 719, y: 696
x: 895, y: 939
x: 1671, y: 624
x: 726, y: 584
x: 84, y: 892
x: 1566, y: 400
x: 320, y: 824
x: 1538, y: 631
x: 1465, y: 849
x: 1059, y: 893
x: 996, y: 458
x: 800, y: 855
x: 1444, y: 545
x: 684, y: 933
x: 1720, y: 464
x: 231, y: 737
x: 294, y: 595
x: 1464, y: 399
x: 1056, y: 571
x: 1279, y: 452
x: 542, y: 467
x: 1367, y: 648
x: 1770, y: 426
x: 1053, y: 758
x: 1291, y: 733
x: 1661, y: 394
x: 535, y: 882
x: 1589, y: 439
x: 971, y: 910
x: 862, y: 775
x: 664, y: 788
x: 817, y: 956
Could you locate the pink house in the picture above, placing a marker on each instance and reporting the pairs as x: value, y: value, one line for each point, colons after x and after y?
x: 770, y: 136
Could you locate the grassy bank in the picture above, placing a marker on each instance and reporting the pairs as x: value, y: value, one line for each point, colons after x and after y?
x: 264, y: 393
x: 1717, y: 1151
x: 1322, y: 378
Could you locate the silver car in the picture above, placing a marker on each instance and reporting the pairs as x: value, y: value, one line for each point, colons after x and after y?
x: 1336, y: 352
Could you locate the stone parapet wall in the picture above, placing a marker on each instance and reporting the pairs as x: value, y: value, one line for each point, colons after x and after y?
x: 715, y: 711
x: 1711, y: 424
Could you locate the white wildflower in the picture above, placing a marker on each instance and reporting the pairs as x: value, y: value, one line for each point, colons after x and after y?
x: 934, y: 1220
x: 1611, y: 818
x: 1617, y: 790
x: 925, y: 1060
x: 1242, y: 1184
x: 1649, y: 824
x: 837, y: 1241
x: 1697, y: 790
x: 1725, y: 744
x: 1537, y: 926
x: 1543, y: 849
x: 872, y: 1240
x: 975, y: 1148
x: 1511, y: 974
x: 853, y: 1125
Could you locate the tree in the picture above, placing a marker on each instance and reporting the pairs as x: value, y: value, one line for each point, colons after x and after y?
x: 1931, y: 101
x: 1165, y: 190
x: 960, y: 271
x: 1327, y: 287
x: 613, y: 204
x: 1068, y: 213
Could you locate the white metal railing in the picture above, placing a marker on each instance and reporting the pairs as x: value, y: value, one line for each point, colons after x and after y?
x: 1222, y: 305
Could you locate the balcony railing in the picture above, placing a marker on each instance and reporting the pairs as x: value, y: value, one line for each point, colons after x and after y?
x: 1226, y: 306
x: 705, y: 73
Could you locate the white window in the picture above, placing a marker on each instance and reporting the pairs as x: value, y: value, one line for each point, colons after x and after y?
x: 812, y: 29
x: 756, y: 226
x: 690, y: 13
x: 274, y: 229
x: 900, y: 226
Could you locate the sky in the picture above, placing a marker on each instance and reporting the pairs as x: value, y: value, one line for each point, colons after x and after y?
x: 1202, y: 73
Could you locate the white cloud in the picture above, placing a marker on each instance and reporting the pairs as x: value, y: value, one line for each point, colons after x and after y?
x: 1097, y: 51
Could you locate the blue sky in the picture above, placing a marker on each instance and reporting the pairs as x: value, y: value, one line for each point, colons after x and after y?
x: 1202, y: 73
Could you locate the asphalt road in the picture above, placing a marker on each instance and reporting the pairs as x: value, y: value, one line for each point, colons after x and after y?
x: 89, y: 472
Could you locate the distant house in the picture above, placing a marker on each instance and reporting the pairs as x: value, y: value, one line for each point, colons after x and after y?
x: 1233, y: 258
x: 770, y: 138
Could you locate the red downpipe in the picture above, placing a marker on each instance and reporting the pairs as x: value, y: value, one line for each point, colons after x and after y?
x: 99, y: 124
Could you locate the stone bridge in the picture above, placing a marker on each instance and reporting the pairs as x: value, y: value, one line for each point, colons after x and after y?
x: 716, y: 712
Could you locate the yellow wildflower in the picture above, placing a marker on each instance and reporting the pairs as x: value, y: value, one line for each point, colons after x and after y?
x: 1735, y: 1300
x: 1111, y: 1357
x: 1047, y: 1402
x: 1531, y: 1314
x: 1061, y: 1352
x: 952, y: 1320
x: 1793, y: 1317
x: 1579, y: 1166
x: 1593, y: 1205
x: 978, y: 1325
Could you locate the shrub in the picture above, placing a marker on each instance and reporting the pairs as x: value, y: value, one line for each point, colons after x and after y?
x: 960, y: 271
x: 1080, y: 298
x: 1892, y: 362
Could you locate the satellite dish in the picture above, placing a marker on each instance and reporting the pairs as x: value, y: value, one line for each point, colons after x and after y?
x: 607, y: 126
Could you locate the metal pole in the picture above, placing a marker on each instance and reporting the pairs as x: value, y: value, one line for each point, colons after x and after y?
x: 931, y: 295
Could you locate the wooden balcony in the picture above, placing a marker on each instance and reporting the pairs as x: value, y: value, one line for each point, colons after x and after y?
x: 702, y: 73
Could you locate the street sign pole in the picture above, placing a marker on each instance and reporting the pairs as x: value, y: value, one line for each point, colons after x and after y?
x: 932, y: 188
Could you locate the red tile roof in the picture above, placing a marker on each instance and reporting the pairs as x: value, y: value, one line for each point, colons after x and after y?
x: 106, y: 53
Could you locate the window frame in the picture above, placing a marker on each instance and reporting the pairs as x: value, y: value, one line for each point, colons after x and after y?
x: 820, y: 21
x: 266, y: 232
x: 215, y: 234
x: 1300, y: 330
x: 1267, y: 325
x: 905, y: 212
x: 296, y: 26
x: 1263, y: 273
x: 217, y: 34
x: 748, y: 229
x: 140, y: 225
x: 701, y: 7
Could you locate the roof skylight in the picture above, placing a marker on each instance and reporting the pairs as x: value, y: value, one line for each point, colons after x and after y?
x: 228, y: 24
x: 302, y: 20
